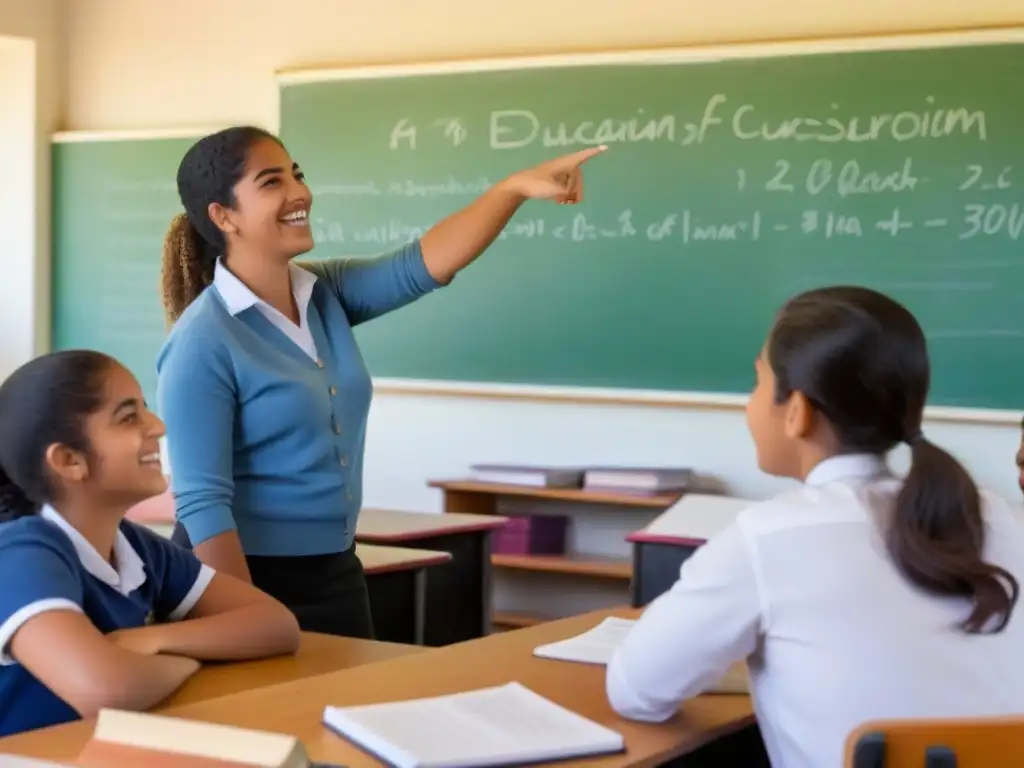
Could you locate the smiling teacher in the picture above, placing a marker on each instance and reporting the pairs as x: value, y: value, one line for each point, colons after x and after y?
x: 261, y: 385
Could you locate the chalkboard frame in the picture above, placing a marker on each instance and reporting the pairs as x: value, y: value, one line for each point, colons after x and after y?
x: 712, y: 53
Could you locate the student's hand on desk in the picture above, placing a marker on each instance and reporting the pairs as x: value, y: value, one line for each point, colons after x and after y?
x: 560, y: 179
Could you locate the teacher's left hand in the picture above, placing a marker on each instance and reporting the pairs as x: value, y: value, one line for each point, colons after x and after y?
x: 560, y: 179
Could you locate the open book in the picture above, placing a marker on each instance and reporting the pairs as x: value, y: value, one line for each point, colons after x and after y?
x: 504, y: 725
x: 135, y: 739
x: 598, y: 644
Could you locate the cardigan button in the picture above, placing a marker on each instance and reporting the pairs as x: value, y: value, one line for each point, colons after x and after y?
x: 319, y: 363
x: 333, y: 390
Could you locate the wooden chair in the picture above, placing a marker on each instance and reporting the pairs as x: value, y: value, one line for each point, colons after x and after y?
x: 989, y: 742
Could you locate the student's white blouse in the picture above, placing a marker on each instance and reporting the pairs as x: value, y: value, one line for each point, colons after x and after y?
x: 802, y: 587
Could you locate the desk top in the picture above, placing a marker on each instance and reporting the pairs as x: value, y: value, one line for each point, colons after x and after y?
x: 318, y: 654
x: 377, y: 559
x: 389, y: 525
x: 296, y: 708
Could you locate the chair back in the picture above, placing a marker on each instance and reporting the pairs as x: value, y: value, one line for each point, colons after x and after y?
x: 988, y: 742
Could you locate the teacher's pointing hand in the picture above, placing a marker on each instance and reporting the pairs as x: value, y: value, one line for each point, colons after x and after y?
x: 560, y: 179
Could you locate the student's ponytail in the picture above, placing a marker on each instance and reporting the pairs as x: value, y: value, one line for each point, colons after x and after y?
x: 937, y: 535
x: 860, y: 360
x: 13, y: 501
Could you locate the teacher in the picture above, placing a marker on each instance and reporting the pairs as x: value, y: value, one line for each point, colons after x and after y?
x: 261, y: 384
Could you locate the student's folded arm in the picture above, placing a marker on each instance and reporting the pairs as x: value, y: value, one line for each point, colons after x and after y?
x: 212, y: 616
x: 371, y: 286
x: 688, y: 637
x: 45, y: 630
x: 197, y: 399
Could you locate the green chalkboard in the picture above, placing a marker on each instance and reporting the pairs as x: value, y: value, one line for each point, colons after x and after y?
x: 730, y: 185
x: 113, y: 200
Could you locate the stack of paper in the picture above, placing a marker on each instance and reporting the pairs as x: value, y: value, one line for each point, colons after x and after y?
x: 504, y: 725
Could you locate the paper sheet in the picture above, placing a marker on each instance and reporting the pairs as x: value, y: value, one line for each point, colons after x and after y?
x: 595, y: 646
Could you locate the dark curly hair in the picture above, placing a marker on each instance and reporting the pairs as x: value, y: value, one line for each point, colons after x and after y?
x: 45, y: 402
x: 207, y: 174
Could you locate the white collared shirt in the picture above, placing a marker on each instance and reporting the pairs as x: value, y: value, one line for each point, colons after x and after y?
x: 130, y: 573
x: 239, y: 297
x: 28, y: 547
x: 802, y: 587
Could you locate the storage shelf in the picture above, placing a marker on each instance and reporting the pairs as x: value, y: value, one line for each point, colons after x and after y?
x: 614, y: 497
x: 608, y: 568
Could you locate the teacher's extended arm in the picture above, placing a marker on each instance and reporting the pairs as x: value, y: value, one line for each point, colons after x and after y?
x: 455, y: 242
x: 370, y: 287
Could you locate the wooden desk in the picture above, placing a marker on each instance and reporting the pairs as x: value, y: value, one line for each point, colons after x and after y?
x: 458, y: 598
x: 396, y: 578
x: 318, y: 654
x: 296, y: 708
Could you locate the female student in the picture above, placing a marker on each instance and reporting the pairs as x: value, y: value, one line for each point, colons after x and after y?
x: 261, y: 383
x: 858, y: 595
x: 96, y: 611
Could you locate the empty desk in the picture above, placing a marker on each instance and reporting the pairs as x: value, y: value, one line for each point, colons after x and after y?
x: 458, y: 596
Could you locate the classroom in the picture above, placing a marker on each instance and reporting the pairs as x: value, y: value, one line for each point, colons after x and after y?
x: 485, y: 392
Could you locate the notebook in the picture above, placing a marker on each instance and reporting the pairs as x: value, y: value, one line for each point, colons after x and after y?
x: 504, y: 725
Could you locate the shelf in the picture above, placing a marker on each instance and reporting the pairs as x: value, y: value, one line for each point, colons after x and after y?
x: 512, y: 620
x: 621, y: 498
x: 608, y: 568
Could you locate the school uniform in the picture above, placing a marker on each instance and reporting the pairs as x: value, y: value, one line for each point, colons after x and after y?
x: 47, y: 565
x: 266, y: 426
x: 802, y: 587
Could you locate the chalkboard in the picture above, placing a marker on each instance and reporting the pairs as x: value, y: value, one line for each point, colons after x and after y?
x: 113, y: 199
x: 730, y: 185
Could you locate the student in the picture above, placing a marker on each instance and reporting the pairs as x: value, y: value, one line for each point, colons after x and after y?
x: 858, y: 595
x: 94, y: 610
x: 261, y: 382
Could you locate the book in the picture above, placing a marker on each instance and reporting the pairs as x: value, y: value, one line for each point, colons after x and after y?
x: 598, y: 645
x: 533, y: 476
x: 641, y: 479
x: 17, y: 761
x: 503, y: 725
x: 123, y: 738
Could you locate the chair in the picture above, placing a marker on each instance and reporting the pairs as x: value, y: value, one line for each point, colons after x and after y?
x: 984, y: 742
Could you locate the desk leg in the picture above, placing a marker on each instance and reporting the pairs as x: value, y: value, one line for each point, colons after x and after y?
x: 420, y: 616
x: 457, y: 596
x: 486, y: 583
x: 636, y: 582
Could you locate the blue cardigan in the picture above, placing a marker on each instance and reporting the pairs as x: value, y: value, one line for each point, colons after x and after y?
x: 261, y: 437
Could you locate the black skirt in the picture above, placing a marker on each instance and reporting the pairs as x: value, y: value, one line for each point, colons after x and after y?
x: 327, y: 593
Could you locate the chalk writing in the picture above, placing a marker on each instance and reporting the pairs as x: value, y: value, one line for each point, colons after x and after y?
x: 519, y: 127
x: 993, y: 219
x: 974, y: 178
x: 692, y: 226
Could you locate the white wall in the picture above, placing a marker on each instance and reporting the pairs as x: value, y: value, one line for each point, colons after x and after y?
x: 18, y: 256
x: 202, y: 62
x: 31, y: 95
